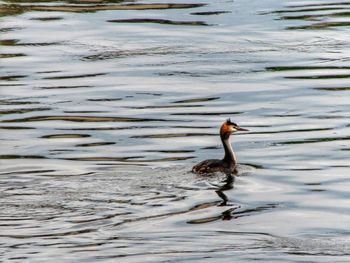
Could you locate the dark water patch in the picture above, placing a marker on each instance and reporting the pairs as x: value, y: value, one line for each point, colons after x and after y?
x: 325, y: 117
x: 315, y: 140
x: 290, y: 131
x: 162, y: 107
x: 171, y: 151
x: 305, y: 10
x: 38, y: 44
x: 65, y: 136
x: 207, y: 113
x: 181, y: 73
x: 297, y: 68
x: 8, y: 42
x: 12, y: 55
x: 17, y: 102
x: 334, y: 89
x: 140, y: 127
x: 105, y: 99
x: 321, y: 25
x: 317, y: 190
x: 256, y: 166
x: 129, y: 159
x: 283, y: 115
x: 83, y: 111
x: 12, y: 85
x: 94, y: 144
x: 94, y: 8
x: 210, y: 13
x: 197, y: 100
x: 47, y: 19
x: 16, y: 156
x: 16, y: 128
x: 149, y: 93
x: 191, y: 127
x: 82, y: 119
x: 173, y: 135
x: 29, y: 172
x: 8, y: 29
x: 211, y: 148
x: 61, y: 150
x: 159, y: 21
x: 329, y: 76
x: 306, y: 169
x: 76, y: 76
x: 319, y: 4
x: 316, y: 12
x: 12, y: 77
x: 313, y: 183
x: 66, y: 87
x: 316, y: 17
x: 21, y: 111
x: 48, y: 71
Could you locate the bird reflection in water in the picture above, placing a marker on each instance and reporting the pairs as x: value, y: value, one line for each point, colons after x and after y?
x: 228, y: 185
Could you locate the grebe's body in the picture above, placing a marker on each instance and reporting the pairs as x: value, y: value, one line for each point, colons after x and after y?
x: 229, y: 162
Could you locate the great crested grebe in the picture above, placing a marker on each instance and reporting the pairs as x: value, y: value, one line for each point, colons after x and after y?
x: 228, y: 163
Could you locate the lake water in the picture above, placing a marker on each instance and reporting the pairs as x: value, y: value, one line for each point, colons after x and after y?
x: 106, y: 106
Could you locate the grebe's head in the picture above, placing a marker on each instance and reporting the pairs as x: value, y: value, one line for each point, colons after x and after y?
x: 229, y: 127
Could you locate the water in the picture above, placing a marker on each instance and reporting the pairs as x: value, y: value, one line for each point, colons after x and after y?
x: 106, y: 105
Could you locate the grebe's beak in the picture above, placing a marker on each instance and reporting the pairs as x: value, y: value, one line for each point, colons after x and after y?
x: 241, y: 129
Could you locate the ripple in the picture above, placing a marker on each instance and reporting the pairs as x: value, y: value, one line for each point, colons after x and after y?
x: 173, y: 135
x: 81, y: 119
x: 333, y: 88
x: 322, y: 25
x: 233, y: 213
x: 76, y: 76
x: 128, y: 159
x: 12, y: 77
x: 319, y: 15
x: 65, y: 87
x: 210, y: 13
x: 314, y: 140
x: 94, y: 8
x: 15, y: 156
x: 159, y: 21
x: 65, y: 136
x: 46, y: 19
x: 17, y: 102
x: 195, y: 100
x: 306, y: 68
x: 12, y: 55
x: 226, y: 113
x: 94, y: 144
x: 16, y: 128
x: 326, y: 76
x: 21, y: 111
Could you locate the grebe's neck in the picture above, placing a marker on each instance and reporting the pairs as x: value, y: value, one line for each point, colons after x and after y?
x: 229, y: 154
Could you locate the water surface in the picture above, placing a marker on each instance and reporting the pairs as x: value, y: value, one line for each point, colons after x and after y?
x: 106, y: 105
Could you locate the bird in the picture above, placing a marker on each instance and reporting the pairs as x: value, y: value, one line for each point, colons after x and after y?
x: 229, y: 163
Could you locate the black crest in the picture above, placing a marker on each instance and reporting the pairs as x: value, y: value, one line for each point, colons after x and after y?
x: 229, y: 122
